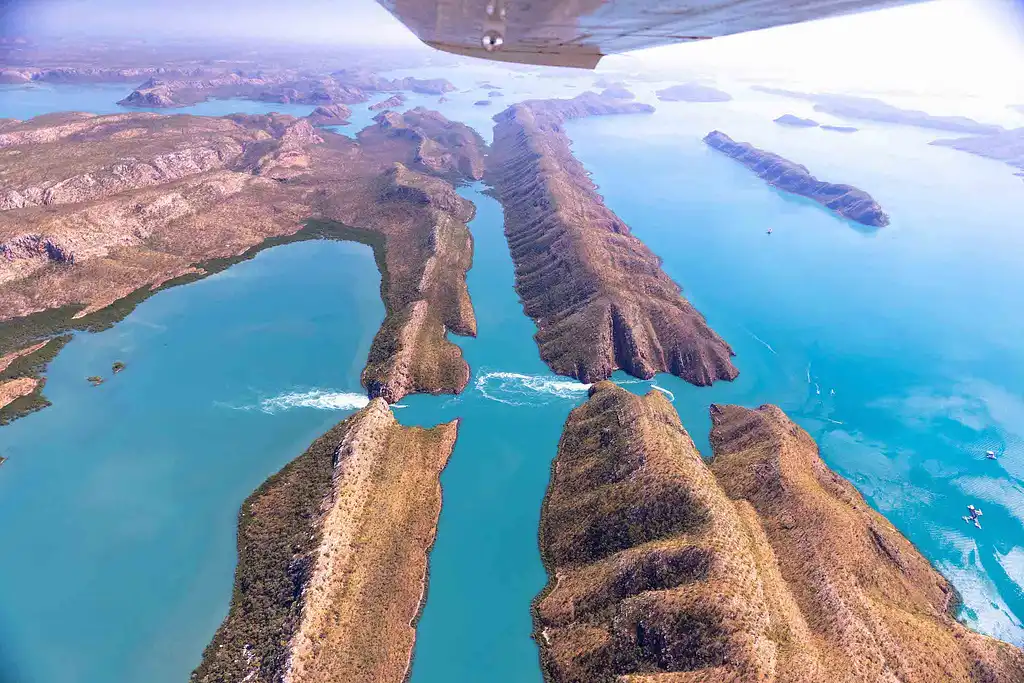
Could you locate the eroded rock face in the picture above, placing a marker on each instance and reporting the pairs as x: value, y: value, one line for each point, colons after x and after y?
x: 765, y: 567
x: 441, y: 146
x: 598, y: 295
x: 330, y: 115
x: 392, y: 102
x: 846, y: 200
x: 333, y: 558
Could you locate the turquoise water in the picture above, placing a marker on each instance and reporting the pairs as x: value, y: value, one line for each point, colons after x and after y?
x: 119, y: 501
x: 915, y: 328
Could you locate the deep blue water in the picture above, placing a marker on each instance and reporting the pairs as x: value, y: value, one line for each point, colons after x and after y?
x: 916, y: 328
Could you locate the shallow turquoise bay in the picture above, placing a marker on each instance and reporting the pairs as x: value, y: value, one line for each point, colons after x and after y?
x: 899, y: 350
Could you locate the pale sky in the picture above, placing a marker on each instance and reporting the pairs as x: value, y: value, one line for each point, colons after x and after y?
x: 944, y: 46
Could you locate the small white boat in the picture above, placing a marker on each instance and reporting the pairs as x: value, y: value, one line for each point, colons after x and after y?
x: 990, y: 455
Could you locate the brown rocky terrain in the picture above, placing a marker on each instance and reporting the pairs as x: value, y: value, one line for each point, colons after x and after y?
x: 765, y: 566
x: 333, y: 558
x: 97, y: 208
x: 441, y: 146
x: 330, y: 115
x: 393, y: 102
x: 598, y: 295
x: 274, y: 85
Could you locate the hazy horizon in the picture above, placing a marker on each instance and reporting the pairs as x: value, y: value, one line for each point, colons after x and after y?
x: 949, y: 48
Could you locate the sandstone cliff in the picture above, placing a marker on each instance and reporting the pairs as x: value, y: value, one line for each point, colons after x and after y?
x: 333, y: 555
x: 765, y: 567
x: 330, y: 115
x: 846, y: 200
x: 393, y: 102
x: 598, y: 295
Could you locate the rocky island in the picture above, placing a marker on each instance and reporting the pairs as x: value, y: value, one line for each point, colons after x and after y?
x: 102, y: 210
x: 845, y: 200
x: 1006, y: 146
x: 333, y: 554
x: 393, y: 102
x: 330, y: 115
x: 598, y: 295
x: 765, y: 566
x: 796, y: 121
x: 871, y: 109
x: 693, y: 92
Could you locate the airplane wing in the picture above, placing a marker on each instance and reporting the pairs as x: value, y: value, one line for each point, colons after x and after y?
x: 577, y: 33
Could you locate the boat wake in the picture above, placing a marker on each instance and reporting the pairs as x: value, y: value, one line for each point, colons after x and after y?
x: 517, y: 389
x: 319, y: 399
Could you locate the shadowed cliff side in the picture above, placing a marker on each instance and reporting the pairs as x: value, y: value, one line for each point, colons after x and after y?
x: 598, y: 295
x: 659, y: 573
x: 333, y: 558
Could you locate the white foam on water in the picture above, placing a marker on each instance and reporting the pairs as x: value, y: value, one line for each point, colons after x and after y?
x: 517, y: 389
x: 317, y: 398
x: 671, y: 396
x: 766, y: 344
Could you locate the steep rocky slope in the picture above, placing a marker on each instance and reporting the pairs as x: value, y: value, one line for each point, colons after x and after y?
x: 102, y: 207
x: 846, y: 200
x: 598, y: 295
x: 441, y: 146
x: 333, y: 558
x: 765, y: 567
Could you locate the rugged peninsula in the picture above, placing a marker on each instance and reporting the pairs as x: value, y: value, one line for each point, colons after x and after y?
x: 845, y: 200
x: 1007, y: 146
x: 333, y: 559
x: 598, y: 295
x: 693, y: 92
x: 101, y: 210
x: 765, y: 566
x: 285, y: 86
x: 871, y: 109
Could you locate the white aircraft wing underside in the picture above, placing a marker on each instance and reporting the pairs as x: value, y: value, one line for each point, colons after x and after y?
x: 579, y: 32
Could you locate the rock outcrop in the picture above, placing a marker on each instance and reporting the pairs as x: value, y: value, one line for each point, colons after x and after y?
x: 765, y: 567
x: 845, y: 200
x: 333, y: 553
x: 104, y: 209
x: 441, y: 146
x: 330, y: 115
x: 598, y: 295
x: 1007, y: 146
x: 693, y: 92
x: 796, y: 121
x: 393, y: 102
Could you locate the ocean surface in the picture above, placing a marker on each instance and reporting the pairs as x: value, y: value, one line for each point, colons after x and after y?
x: 898, y: 349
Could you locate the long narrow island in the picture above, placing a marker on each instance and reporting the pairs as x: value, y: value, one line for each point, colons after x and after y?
x: 598, y: 295
x: 845, y: 200
x: 332, y: 562
x: 765, y: 566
